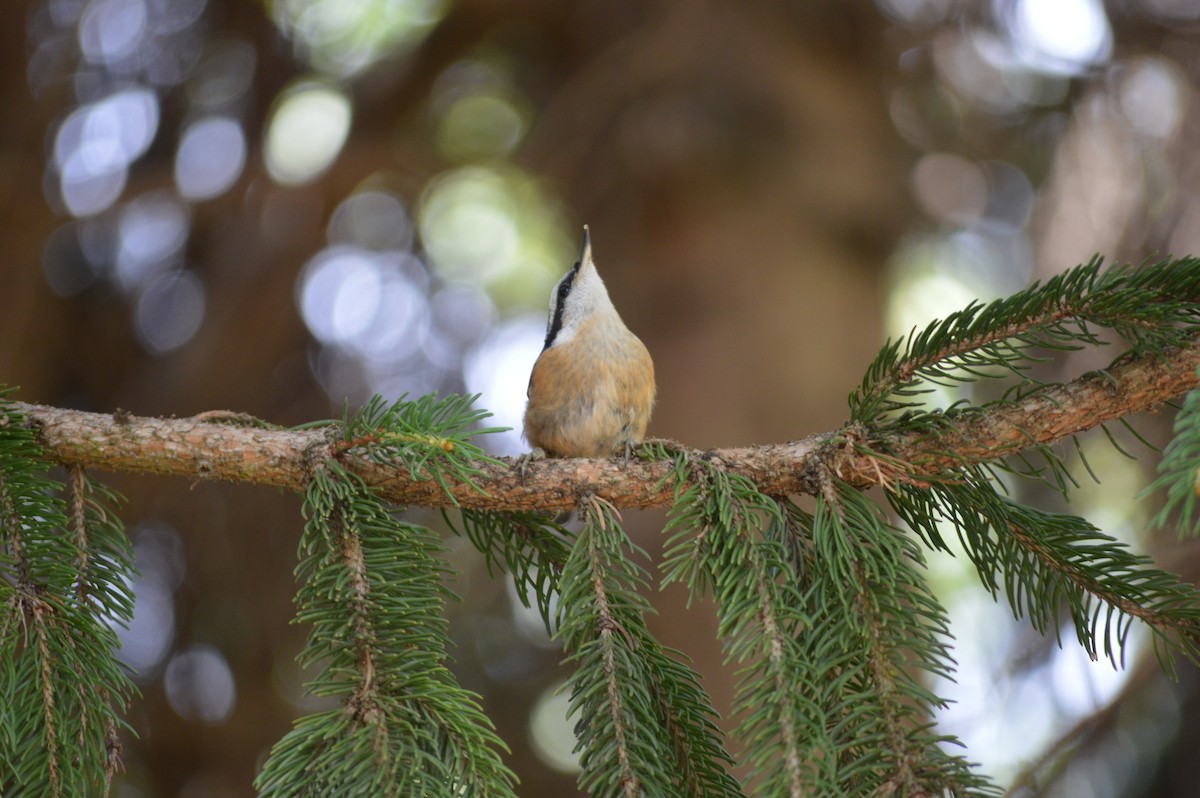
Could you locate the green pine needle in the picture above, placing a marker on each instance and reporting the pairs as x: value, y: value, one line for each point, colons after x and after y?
x: 1047, y: 561
x: 372, y: 590
x: 429, y: 437
x: 831, y: 623
x: 1179, y: 472
x: 65, y: 571
x: 644, y: 725
x: 529, y: 546
x: 1148, y: 308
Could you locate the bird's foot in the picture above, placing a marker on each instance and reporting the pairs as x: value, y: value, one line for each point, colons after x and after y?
x: 522, y: 463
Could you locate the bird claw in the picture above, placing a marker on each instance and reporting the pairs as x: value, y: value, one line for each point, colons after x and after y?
x: 522, y: 464
x: 627, y: 458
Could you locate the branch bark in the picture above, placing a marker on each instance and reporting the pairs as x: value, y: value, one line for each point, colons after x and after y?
x: 202, y: 448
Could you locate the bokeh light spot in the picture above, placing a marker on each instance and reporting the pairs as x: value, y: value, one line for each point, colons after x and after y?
x: 111, y: 132
x: 949, y: 187
x: 86, y: 191
x: 200, y: 685
x: 480, y: 126
x: 395, y: 331
x: 339, y: 291
x: 169, y: 311
x: 341, y: 37
x: 924, y: 298
x: 372, y: 219
x: 371, y: 304
x: 158, y: 556
x: 307, y: 130
x: 1152, y: 97
x: 498, y: 367
x: 469, y: 225
x: 152, y: 231
x: 551, y: 731
x: 462, y: 312
x: 112, y: 30
x: 210, y: 158
x: 96, y: 144
x: 927, y: 286
x: 146, y: 641
x: 1063, y: 36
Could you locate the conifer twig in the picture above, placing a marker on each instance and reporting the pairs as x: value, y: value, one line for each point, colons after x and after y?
x: 776, y: 659
x: 606, y: 625
x: 1152, y: 616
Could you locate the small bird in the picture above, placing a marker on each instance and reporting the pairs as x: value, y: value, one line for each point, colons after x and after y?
x: 592, y: 387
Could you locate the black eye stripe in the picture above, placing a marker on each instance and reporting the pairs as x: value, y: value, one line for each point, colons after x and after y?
x: 560, y: 302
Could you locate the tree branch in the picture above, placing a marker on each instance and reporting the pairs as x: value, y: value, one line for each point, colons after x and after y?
x: 201, y: 448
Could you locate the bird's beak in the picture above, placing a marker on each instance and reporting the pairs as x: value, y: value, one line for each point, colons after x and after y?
x: 585, y: 249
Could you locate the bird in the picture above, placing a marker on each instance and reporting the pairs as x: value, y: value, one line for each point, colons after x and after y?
x: 592, y: 388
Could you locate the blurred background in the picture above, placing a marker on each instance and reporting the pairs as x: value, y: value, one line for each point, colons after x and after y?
x: 275, y: 206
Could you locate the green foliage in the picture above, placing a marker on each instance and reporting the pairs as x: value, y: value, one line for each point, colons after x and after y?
x: 529, y: 546
x: 429, y: 437
x: 1049, y: 561
x: 1044, y: 561
x: 832, y: 624
x: 644, y: 724
x: 64, y: 570
x: 371, y: 589
x: 718, y: 543
x: 1148, y: 308
x: 1179, y: 471
x: 889, y: 635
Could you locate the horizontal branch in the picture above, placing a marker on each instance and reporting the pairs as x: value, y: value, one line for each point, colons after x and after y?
x: 216, y: 446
